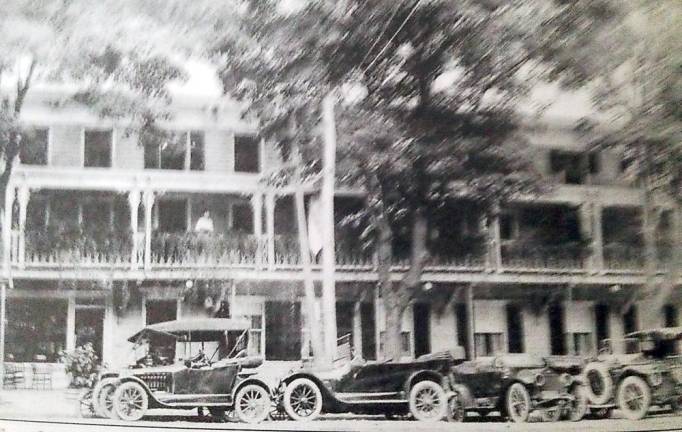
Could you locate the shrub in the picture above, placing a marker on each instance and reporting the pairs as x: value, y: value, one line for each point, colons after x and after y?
x: 82, y: 365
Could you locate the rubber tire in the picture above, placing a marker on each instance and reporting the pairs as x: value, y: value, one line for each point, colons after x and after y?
x: 602, y: 371
x: 86, y: 408
x: 456, y: 411
x: 95, y: 397
x: 117, y: 401
x: 646, y: 397
x: 440, y: 393
x: 518, y: 418
x: 317, y: 409
x: 105, y: 392
x: 265, y: 411
x: 577, y: 409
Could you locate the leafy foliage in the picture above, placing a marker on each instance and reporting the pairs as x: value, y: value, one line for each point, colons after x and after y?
x: 82, y: 365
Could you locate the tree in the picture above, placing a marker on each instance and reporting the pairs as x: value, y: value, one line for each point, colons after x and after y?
x: 634, y: 69
x: 436, y: 120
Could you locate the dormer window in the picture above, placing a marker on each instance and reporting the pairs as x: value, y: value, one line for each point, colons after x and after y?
x: 34, y: 144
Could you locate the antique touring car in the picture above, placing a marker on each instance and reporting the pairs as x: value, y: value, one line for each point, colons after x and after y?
x: 197, y: 382
x: 390, y: 388
x: 643, y: 369
x: 515, y: 385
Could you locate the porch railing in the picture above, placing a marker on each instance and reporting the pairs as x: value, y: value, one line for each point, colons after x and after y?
x: 534, y: 256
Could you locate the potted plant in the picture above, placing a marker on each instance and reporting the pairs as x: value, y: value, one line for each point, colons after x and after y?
x: 82, y: 367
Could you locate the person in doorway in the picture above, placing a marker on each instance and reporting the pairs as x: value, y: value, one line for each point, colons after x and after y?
x: 204, y: 224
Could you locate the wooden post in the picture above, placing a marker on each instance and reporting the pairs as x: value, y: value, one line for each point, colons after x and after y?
x: 270, y: 227
x: 148, y: 204
x: 357, y: 329
x: 328, y: 225
x: 597, y: 238
x: 472, y: 322
x: 71, y: 323
x: 257, y: 203
x: 134, y: 204
x: 7, y: 227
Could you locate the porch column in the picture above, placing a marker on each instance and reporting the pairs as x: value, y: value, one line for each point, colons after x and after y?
x: 494, y: 242
x: 270, y: 227
x: 357, y: 329
x: 148, y: 197
x: 472, y: 322
x: 134, y: 203
x: 23, y: 195
x: 257, y: 204
x: 7, y: 226
x: 71, y: 323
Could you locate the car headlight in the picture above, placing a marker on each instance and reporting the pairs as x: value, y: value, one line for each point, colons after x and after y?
x: 539, y: 380
x: 566, y: 379
x: 656, y: 379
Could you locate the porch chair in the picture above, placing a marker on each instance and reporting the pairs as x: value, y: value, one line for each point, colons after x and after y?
x: 42, y: 376
x: 14, y: 376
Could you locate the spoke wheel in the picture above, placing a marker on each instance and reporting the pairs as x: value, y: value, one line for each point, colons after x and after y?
x: 252, y: 404
x: 302, y: 400
x: 428, y: 401
x: 86, y: 408
x: 105, y: 401
x: 456, y: 411
x: 577, y: 408
x: 130, y: 401
x: 518, y: 403
x: 634, y: 397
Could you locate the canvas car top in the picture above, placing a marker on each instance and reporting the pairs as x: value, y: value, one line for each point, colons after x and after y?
x: 658, y: 333
x: 200, y: 329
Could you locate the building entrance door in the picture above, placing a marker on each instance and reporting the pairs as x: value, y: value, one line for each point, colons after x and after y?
x: 89, y: 327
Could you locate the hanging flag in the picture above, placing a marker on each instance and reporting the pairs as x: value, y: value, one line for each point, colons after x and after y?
x: 315, y: 225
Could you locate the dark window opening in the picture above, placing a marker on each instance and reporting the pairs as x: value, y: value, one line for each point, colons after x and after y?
x: 507, y: 226
x: 514, y: 329
x: 36, y: 329
x: 670, y: 315
x: 172, y: 215
x: 283, y: 330
x: 569, y: 163
x: 157, y: 311
x: 630, y: 320
x: 98, y: 148
x: 556, y: 330
x: 285, y: 220
x: 246, y: 154
x: 602, y: 329
x: 166, y: 152
x: 422, y: 334
x: 242, y: 218
x: 368, y: 331
x: 462, y: 325
x: 344, y: 319
x: 594, y: 162
x: 196, y: 151
x: 34, y: 143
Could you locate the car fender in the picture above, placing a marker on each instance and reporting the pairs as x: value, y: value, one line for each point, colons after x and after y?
x: 250, y: 380
x: 423, y: 375
x: 153, y: 401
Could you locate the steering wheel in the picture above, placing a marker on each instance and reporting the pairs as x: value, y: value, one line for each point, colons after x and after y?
x: 198, y: 360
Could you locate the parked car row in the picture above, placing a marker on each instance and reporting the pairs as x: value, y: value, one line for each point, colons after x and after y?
x: 631, y: 374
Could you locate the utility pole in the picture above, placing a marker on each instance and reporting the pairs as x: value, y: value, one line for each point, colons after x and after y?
x: 328, y: 225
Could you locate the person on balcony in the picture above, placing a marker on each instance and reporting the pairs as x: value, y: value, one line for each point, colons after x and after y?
x: 204, y: 224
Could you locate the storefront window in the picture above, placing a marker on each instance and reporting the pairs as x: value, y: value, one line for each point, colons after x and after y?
x: 36, y: 329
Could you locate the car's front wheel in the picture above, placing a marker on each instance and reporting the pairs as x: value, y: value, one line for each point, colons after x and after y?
x: 302, y: 400
x: 518, y: 403
x: 577, y: 408
x: 130, y: 401
x: 634, y: 397
x: 103, y: 399
x: 252, y: 404
x: 428, y: 401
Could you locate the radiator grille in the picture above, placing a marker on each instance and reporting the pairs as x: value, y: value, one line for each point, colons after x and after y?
x: 157, y: 381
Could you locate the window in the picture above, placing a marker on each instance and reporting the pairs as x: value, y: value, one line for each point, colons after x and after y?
x: 176, y: 151
x: 246, y: 153
x: 630, y: 320
x: 98, y: 147
x: 34, y: 144
x: 405, y: 343
x: 579, y: 343
x: 514, y: 329
x: 172, y: 215
x: 256, y: 335
x: 157, y: 311
x: 508, y: 226
x: 488, y: 344
x: 594, y: 162
x: 670, y: 315
x: 36, y: 329
x: 242, y: 218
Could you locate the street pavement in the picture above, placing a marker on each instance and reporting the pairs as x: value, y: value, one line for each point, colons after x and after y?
x: 25, y: 410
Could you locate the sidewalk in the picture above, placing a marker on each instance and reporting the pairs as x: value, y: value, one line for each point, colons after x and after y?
x: 38, y: 404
